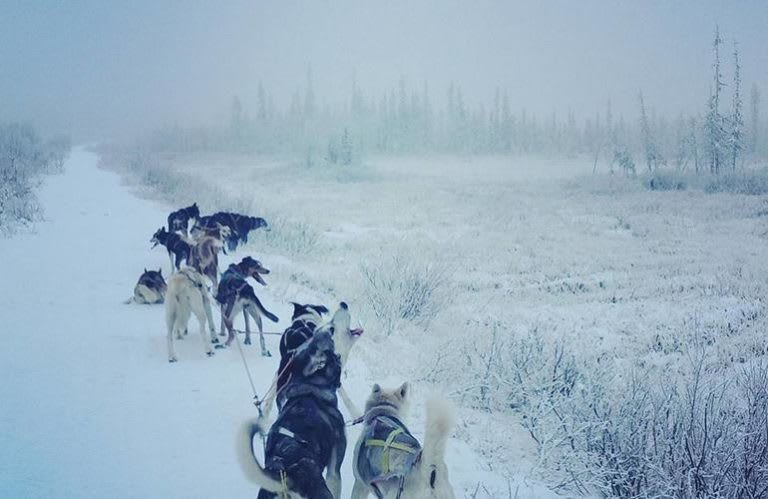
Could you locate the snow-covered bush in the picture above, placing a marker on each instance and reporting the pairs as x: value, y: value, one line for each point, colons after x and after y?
x: 23, y: 158
x: 405, y: 287
x: 666, y: 180
x: 753, y: 182
x: 688, y: 427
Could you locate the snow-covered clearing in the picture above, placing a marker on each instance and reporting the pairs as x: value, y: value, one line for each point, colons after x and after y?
x: 90, y: 405
x: 543, y: 278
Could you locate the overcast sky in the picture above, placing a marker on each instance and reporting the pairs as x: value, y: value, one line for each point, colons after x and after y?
x: 99, y: 68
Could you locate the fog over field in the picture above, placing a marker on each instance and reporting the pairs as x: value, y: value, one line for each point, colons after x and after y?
x: 554, y: 214
x: 108, y: 69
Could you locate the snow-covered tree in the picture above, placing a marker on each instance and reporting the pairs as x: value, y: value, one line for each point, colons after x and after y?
x: 650, y: 148
x: 715, y: 124
x: 755, y: 119
x: 737, y: 118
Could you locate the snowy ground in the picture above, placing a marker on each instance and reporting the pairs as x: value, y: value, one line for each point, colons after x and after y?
x: 622, y: 277
x: 91, y: 407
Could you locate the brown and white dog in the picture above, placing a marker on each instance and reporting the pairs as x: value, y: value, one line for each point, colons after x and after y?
x: 187, y: 295
x: 204, y: 253
x: 389, y: 461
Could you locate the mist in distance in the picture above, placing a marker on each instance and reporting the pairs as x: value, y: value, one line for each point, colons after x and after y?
x: 101, y: 70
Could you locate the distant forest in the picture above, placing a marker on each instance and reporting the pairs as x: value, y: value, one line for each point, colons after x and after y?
x: 404, y: 120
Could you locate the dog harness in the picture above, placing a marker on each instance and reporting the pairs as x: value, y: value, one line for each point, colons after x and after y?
x: 389, y: 451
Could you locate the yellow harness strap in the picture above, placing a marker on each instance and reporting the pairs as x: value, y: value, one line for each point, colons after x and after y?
x: 389, y: 444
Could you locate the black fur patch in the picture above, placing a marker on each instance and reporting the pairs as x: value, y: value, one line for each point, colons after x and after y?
x: 179, y: 219
x: 300, y: 309
x: 239, y: 225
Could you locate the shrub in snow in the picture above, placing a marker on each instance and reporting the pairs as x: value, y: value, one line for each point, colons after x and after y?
x: 23, y: 158
x: 666, y: 181
x: 405, y: 287
x: 745, y: 182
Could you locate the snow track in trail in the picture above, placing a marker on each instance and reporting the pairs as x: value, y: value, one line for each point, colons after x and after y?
x: 91, y: 408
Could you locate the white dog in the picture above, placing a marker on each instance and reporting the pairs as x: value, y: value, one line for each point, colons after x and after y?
x: 187, y: 295
x: 389, y: 461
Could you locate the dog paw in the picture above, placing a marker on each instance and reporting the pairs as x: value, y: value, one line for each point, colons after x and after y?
x: 247, y: 341
x: 210, y: 354
x: 266, y: 353
x: 172, y: 359
x: 215, y: 340
x: 219, y: 346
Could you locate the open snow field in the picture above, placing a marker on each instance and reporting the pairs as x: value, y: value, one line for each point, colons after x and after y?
x: 90, y: 406
x: 522, y: 258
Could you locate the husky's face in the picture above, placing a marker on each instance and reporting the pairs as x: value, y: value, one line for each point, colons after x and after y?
x: 194, y: 211
x: 321, y: 352
x: 257, y: 223
x: 253, y: 268
x: 396, y: 398
x: 158, y: 236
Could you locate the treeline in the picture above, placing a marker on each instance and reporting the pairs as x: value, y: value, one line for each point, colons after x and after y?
x: 24, y: 158
x: 404, y: 120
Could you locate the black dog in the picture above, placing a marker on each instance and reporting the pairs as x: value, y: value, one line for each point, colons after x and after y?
x: 178, y: 221
x: 305, y: 319
x: 178, y: 248
x: 239, y: 225
x: 234, y: 294
x: 308, y: 435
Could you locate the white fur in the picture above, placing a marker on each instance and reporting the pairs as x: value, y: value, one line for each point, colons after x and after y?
x: 187, y: 295
x: 440, y: 421
x: 250, y: 466
x: 146, y: 296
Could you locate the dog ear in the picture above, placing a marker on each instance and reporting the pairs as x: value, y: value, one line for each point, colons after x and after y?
x: 403, y: 391
x: 320, y: 309
x: 376, y: 388
x: 160, y: 270
x: 297, y: 308
x: 145, y: 270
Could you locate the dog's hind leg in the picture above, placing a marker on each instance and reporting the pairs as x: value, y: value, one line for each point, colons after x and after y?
x: 257, y: 318
x: 247, y: 328
x: 221, y: 330
x: 170, y: 322
x: 199, y: 309
x: 333, y: 475
x: 209, y: 317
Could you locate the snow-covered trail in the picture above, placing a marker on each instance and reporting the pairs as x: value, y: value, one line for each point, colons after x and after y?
x: 90, y: 405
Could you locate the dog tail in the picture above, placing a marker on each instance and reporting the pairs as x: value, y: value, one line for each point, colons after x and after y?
x: 440, y: 421
x: 248, y: 462
x: 269, y: 315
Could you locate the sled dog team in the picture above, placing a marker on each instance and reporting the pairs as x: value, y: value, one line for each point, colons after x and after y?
x: 306, y: 444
